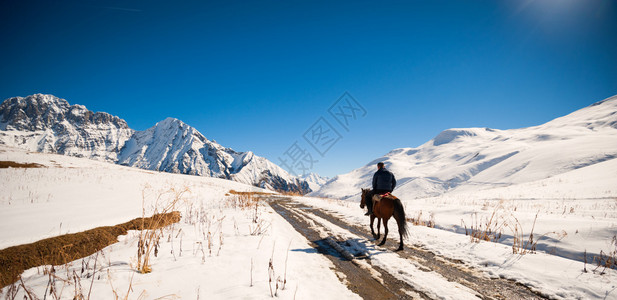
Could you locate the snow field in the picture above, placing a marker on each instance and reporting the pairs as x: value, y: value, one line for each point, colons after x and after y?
x: 219, y: 250
x: 213, y: 255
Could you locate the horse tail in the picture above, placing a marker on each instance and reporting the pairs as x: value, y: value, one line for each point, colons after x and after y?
x: 399, y: 214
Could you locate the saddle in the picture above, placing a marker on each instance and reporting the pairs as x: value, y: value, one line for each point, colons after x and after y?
x: 377, y: 197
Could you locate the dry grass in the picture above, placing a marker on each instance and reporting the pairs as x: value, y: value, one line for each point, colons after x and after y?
x: 249, y: 201
x: 234, y: 192
x: 11, y: 164
x: 243, y: 200
x: 486, y: 229
x: 294, y: 194
x: 607, y: 260
x: 69, y: 247
x: 165, y: 204
x: 521, y: 245
x: 501, y: 220
x: 418, y: 221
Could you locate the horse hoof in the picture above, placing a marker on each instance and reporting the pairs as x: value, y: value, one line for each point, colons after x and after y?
x: 381, y: 244
x: 399, y: 249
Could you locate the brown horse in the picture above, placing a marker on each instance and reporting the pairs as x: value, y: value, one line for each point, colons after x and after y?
x: 384, y: 209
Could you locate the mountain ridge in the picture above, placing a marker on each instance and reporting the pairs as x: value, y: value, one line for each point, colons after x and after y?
x: 46, y: 123
x: 466, y: 159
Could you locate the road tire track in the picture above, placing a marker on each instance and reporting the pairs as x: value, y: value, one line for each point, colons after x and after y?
x: 362, y: 282
x: 357, y: 279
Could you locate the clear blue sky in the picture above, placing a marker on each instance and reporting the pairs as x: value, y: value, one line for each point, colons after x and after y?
x: 256, y: 75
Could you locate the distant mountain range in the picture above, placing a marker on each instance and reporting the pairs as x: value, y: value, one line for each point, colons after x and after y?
x: 314, y: 180
x: 472, y: 159
x: 45, y: 123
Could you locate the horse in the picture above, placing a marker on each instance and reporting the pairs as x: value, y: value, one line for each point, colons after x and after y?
x: 385, y: 209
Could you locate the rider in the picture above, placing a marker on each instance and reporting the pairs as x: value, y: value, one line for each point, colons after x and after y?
x: 383, y: 182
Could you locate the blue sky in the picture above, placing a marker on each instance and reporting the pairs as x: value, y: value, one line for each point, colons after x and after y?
x: 256, y: 75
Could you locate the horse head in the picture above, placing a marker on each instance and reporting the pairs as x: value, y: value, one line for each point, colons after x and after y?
x: 365, y: 193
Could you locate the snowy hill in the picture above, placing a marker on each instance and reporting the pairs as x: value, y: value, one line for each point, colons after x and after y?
x: 45, y: 123
x: 472, y: 159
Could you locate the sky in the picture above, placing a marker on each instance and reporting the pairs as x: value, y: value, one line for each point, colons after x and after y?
x: 262, y: 76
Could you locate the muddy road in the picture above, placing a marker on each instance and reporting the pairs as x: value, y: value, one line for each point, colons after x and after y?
x: 358, y: 261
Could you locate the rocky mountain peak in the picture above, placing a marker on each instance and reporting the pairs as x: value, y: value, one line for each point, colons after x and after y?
x: 43, y: 112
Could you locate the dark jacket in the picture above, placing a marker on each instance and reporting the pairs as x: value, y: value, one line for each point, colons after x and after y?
x: 384, y: 180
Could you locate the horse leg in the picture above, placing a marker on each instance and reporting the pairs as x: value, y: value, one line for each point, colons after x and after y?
x: 372, y: 220
x: 385, y: 233
x: 378, y: 229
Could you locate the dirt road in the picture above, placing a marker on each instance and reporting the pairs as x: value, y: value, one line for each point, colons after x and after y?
x: 358, y: 261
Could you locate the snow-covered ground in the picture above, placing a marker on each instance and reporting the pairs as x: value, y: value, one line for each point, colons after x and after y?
x: 553, y: 276
x: 219, y: 251
x: 576, y: 211
x: 216, y: 256
x: 572, y: 215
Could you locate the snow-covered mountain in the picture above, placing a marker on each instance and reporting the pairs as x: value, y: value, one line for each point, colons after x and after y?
x: 314, y: 180
x: 465, y: 159
x: 45, y: 123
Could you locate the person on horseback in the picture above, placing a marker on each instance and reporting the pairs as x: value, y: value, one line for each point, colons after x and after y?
x: 383, y: 182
